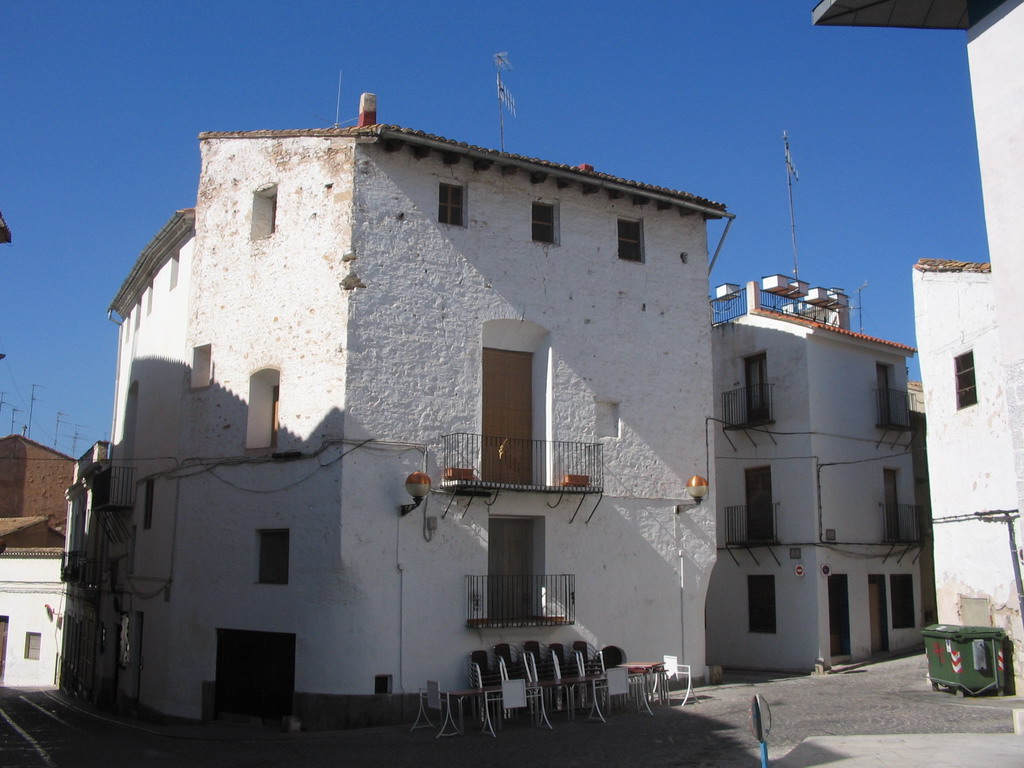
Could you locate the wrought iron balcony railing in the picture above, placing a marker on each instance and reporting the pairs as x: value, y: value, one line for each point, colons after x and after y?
x: 521, y: 601
x: 751, y: 524
x: 892, y: 409
x: 113, y: 488
x: 486, y: 461
x: 748, y: 406
x: 902, y: 523
x: 76, y: 568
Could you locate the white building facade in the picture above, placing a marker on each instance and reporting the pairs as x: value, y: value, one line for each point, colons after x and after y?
x: 354, y: 305
x: 32, y: 615
x: 970, y: 447
x: 819, y: 531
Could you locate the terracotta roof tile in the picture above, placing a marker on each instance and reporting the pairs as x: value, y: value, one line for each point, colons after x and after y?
x: 398, y: 132
x: 832, y: 328
x: 945, y: 265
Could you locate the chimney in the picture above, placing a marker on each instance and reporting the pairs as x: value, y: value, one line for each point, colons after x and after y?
x: 367, y: 110
x: 585, y: 167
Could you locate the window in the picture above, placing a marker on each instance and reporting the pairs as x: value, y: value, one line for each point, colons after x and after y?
x: 174, y: 272
x: 273, y: 556
x: 264, y: 212
x: 202, y: 366
x: 966, y: 391
x: 264, y: 406
x: 32, y: 642
x: 761, y: 603
x: 149, y: 300
x: 543, y: 223
x: 630, y: 240
x: 147, y: 513
x: 901, y: 595
x: 450, y: 204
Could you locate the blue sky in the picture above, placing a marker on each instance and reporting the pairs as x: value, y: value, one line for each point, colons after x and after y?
x: 101, y: 104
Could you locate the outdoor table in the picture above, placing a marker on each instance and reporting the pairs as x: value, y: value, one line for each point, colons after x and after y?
x: 650, y: 671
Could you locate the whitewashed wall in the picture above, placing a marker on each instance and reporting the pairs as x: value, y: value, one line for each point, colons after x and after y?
x: 28, y: 583
x: 398, y: 361
x: 825, y: 414
x: 970, y: 456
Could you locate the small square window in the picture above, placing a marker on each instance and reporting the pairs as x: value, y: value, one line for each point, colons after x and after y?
x: 966, y: 388
x: 450, y: 204
x: 264, y: 212
x: 202, y: 366
x: 273, y: 556
x: 33, y: 641
x: 543, y: 223
x: 630, y: 240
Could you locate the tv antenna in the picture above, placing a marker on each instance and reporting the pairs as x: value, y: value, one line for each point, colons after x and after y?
x: 791, y: 176
x: 337, y: 105
x: 56, y: 432
x: 31, y: 407
x: 14, y: 411
x: 860, y: 305
x: 505, y: 100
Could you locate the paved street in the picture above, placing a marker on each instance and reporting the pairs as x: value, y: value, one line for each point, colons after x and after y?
x: 38, y: 728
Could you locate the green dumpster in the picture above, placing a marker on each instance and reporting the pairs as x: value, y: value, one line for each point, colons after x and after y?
x: 967, y: 660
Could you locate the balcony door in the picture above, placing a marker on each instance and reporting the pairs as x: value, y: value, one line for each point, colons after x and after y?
x: 507, y: 422
x: 760, y: 520
x: 758, y: 405
x: 510, y: 564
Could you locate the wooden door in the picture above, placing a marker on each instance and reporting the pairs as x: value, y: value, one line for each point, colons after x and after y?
x: 760, y: 511
x: 507, y: 426
x: 839, y: 614
x: 510, y: 568
x: 758, y: 404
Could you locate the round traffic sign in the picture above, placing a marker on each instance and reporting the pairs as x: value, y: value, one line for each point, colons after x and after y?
x: 799, y: 570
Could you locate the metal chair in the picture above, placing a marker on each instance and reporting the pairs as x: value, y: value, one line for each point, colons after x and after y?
x: 675, y: 671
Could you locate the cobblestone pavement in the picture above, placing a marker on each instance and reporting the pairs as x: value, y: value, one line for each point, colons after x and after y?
x: 889, y: 697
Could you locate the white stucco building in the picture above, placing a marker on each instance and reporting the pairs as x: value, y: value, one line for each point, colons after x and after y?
x: 820, y: 534
x: 32, y: 606
x: 970, y: 456
x: 344, y: 307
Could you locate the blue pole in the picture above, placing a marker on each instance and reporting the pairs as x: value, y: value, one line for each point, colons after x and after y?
x: 764, y: 754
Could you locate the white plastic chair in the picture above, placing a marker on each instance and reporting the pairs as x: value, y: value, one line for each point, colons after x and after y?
x: 676, y: 671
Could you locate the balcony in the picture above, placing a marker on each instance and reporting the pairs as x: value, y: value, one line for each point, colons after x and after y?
x: 113, y: 488
x: 892, y: 409
x: 751, y: 524
x: 521, y: 601
x: 76, y: 568
x: 488, y: 462
x: 748, y: 406
x: 902, y: 523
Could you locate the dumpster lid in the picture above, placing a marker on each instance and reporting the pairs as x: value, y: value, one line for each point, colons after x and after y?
x: 963, y: 633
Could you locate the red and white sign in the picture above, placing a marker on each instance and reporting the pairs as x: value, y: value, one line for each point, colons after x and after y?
x: 799, y: 570
x: 955, y: 658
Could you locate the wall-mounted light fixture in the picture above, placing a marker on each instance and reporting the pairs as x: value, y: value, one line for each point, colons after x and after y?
x: 697, y: 487
x: 417, y: 485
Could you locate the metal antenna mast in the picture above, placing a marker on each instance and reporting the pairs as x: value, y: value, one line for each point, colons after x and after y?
x: 74, y: 440
x: 31, y: 407
x: 56, y: 431
x: 791, y: 176
x: 860, y: 304
x: 14, y: 411
x: 337, y: 107
x: 505, y: 100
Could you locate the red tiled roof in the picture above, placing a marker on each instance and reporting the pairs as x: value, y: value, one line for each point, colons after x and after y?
x: 832, y: 328
x: 397, y: 132
x: 945, y: 265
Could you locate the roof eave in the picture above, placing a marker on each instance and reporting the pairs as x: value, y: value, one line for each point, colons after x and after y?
x: 177, y: 227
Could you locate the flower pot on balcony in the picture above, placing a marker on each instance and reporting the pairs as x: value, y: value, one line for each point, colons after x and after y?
x: 458, y: 474
x: 575, y: 480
